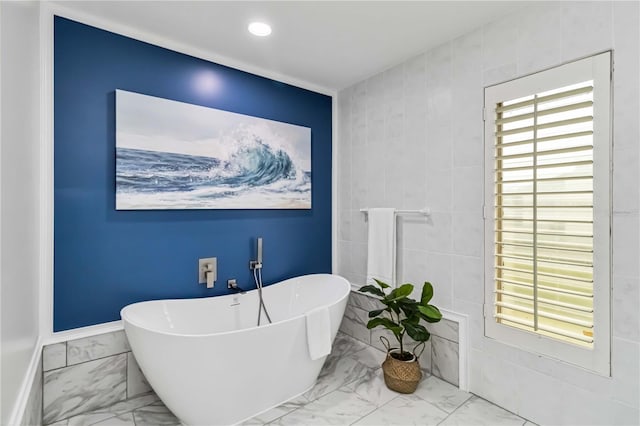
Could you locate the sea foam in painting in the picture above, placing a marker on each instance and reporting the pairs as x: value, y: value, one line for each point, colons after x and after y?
x: 174, y: 155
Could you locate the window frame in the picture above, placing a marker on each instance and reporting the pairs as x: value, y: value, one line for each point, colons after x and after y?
x: 597, y: 68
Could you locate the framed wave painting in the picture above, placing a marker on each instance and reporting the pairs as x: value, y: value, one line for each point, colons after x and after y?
x: 174, y: 155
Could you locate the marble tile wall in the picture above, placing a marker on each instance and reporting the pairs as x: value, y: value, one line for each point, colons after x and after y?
x: 440, y: 356
x: 88, y: 374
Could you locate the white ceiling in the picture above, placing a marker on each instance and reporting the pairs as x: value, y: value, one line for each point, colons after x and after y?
x: 326, y: 45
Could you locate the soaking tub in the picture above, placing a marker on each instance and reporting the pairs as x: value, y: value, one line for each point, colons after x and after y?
x: 209, y: 362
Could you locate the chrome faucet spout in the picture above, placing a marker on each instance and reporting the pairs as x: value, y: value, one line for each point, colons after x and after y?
x: 233, y: 285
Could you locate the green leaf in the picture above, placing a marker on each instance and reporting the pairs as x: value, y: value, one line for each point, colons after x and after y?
x: 375, y: 313
x: 399, y: 293
x: 417, y: 332
x: 408, y: 306
x: 413, y: 319
x: 427, y: 293
x: 371, y: 289
x: 375, y: 322
x: 408, y: 302
x: 430, y: 313
x: 405, y: 289
x: 387, y: 323
x: 381, y: 284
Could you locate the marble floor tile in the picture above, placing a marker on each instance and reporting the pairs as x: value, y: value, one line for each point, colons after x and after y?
x: 84, y: 387
x: 443, y: 395
x: 154, y: 415
x: 477, y: 411
x: 336, y: 373
x: 114, y: 410
x: 122, y: 420
x: 341, y: 407
x: 89, y: 418
x: 371, y: 387
x: 369, y: 356
x: 280, y: 410
x: 344, y: 345
x: 251, y: 422
x: 403, y: 411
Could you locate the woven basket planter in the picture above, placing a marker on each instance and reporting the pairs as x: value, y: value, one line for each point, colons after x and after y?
x: 401, y: 376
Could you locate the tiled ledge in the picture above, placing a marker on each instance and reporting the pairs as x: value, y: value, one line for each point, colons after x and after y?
x: 441, y: 355
x: 87, y: 374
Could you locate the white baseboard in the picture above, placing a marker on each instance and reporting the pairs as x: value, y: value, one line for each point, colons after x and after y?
x: 17, y: 413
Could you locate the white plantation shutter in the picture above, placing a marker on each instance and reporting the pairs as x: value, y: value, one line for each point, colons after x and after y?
x: 547, y: 139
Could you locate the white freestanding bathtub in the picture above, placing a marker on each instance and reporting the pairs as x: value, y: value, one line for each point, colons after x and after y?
x: 209, y: 362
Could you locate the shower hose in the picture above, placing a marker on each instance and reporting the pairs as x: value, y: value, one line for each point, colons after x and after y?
x: 257, y: 276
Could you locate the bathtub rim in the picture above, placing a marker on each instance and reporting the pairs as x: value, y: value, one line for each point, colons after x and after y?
x: 126, y: 321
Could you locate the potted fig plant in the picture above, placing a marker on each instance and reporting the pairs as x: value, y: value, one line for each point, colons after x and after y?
x: 402, y: 316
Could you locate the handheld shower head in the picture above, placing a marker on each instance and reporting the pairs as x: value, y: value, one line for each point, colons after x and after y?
x: 259, y: 254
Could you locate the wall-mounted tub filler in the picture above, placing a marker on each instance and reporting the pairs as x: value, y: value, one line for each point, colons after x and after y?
x: 208, y: 271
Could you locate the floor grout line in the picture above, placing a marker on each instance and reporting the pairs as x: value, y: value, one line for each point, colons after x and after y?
x: 376, y: 409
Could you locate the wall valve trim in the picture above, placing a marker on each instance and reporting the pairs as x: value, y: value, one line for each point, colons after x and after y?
x: 208, y: 271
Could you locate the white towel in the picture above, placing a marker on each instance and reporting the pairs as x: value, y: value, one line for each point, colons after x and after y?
x: 318, y: 333
x: 381, y: 258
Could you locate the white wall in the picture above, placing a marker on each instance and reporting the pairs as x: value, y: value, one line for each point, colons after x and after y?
x: 399, y: 146
x: 19, y: 194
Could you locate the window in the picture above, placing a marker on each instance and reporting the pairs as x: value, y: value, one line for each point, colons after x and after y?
x: 547, y: 212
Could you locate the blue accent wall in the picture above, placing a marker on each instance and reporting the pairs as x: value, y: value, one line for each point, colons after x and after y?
x: 106, y: 259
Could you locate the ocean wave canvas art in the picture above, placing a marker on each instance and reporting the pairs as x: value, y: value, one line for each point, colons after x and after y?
x: 174, y: 155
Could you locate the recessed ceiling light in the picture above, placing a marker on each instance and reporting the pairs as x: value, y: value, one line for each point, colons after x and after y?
x: 259, y: 29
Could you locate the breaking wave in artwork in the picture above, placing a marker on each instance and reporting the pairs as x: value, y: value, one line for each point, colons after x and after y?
x: 255, y: 175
